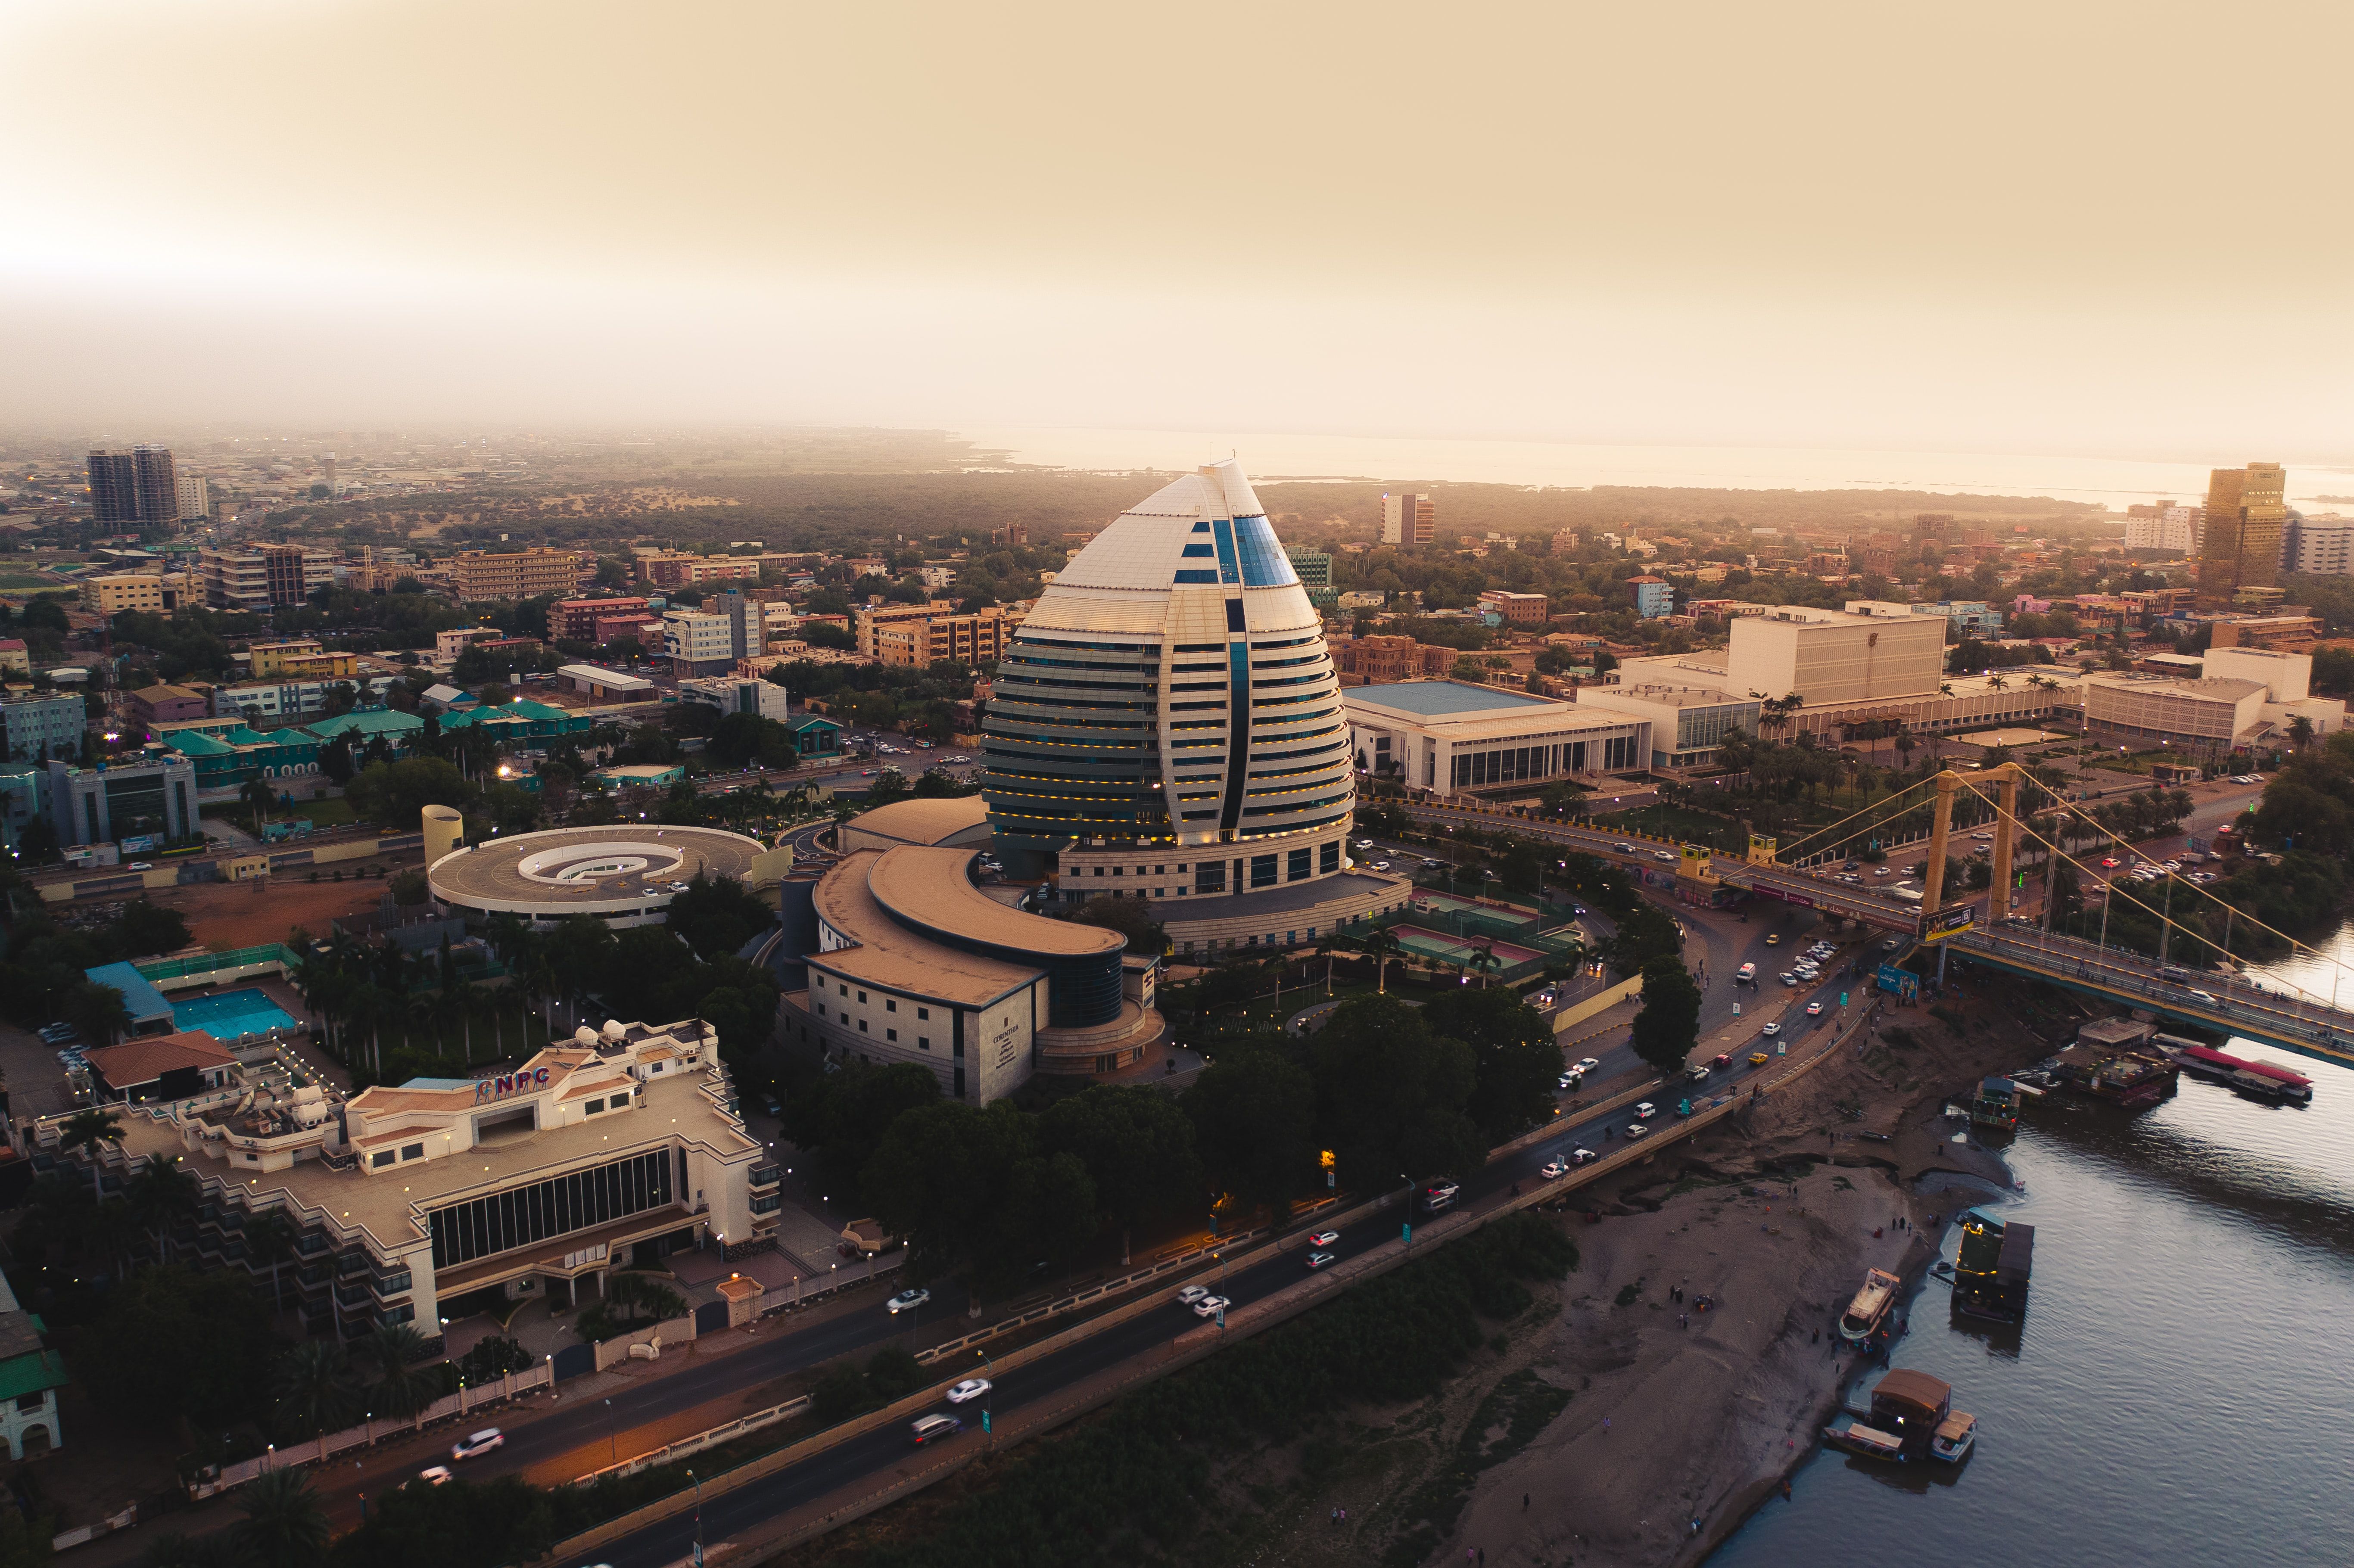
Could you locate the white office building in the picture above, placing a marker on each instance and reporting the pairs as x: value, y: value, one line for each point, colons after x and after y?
x: 1451, y: 737
x: 2321, y: 546
x: 1688, y: 723
x: 1867, y: 654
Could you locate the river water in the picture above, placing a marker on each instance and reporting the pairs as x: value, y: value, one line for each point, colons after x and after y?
x: 2180, y: 1392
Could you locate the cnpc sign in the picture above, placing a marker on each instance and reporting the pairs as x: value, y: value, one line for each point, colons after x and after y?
x: 508, y: 1084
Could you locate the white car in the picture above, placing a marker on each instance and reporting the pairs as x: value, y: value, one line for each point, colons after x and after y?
x: 436, y: 1476
x: 1364, y: 844
x: 1745, y: 972
x: 1191, y: 1294
x: 1666, y: 857
x: 1380, y: 865
x: 1771, y: 1029
x: 1636, y: 1129
x: 1587, y: 1065
x: 907, y: 1300
x: 971, y: 1388
x: 1813, y: 1010
x: 1553, y: 1169
x: 480, y: 1442
x: 1211, y: 1305
x: 1645, y: 1111
x: 1789, y: 979
x: 1626, y: 848
x: 1324, y: 1238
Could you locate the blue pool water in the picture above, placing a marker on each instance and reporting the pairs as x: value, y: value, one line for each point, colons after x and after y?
x: 230, y: 1014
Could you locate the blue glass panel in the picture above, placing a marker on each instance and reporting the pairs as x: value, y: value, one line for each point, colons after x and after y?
x: 1223, y: 532
x: 1202, y: 550
x: 1263, y: 563
x: 1205, y: 575
x: 1201, y: 527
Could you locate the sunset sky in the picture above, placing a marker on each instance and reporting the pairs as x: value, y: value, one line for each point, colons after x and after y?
x: 2056, y: 227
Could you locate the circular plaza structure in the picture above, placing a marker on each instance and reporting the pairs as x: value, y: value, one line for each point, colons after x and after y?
x: 622, y: 875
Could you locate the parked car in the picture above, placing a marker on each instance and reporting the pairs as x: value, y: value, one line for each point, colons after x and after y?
x: 907, y: 1300
x: 479, y: 1444
x: 971, y: 1388
x: 1789, y: 979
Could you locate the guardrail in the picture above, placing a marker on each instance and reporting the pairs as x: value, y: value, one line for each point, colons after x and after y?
x: 462, y: 1402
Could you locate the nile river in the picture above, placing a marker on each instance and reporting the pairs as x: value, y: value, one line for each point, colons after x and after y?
x: 2182, y: 1391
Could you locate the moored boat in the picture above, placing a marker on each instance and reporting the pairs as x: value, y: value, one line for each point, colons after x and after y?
x: 1953, y: 1436
x: 1869, y: 1442
x: 1870, y: 1306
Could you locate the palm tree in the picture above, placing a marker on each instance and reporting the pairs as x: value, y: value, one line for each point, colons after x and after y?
x: 112, y: 1228
x: 314, y: 1391
x: 395, y: 1384
x: 270, y: 1239
x: 2300, y: 732
x: 98, y: 1011
x: 162, y: 1195
x: 284, y: 1525
x: 258, y: 794
x: 1483, y: 958
x: 1378, y: 944
x: 86, y: 1130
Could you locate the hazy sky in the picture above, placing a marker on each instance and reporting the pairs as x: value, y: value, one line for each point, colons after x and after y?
x: 2048, y: 227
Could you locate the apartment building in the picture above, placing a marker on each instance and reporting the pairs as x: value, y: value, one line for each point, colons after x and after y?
x: 38, y: 727
x: 262, y: 577
x: 919, y: 636
x: 698, y: 643
x: 2321, y: 546
x: 301, y: 659
x: 1409, y: 519
x: 1517, y: 608
x: 575, y: 620
x: 119, y: 591
x: 521, y: 574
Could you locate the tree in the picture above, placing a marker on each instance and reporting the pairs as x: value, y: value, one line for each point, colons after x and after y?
x: 284, y: 1527
x: 270, y: 1240
x: 1668, y: 1024
x: 145, y: 930
x: 1130, y: 917
x: 1645, y: 932
x: 1254, y: 1117
x: 395, y: 794
x: 841, y: 1117
x: 396, y: 1385
x: 262, y: 796
x: 312, y: 1390
x: 161, y: 1194
x: 96, y: 1010
x: 973, y: 1193
x: 718, y: 915
x: 180, y: 1342
x: 87, y: 1130
x: 1391, y: 1094
x: 1483, y: 958
x: 1515, y: 1058
x: 1380, y: 944
x: 1137, y: 1146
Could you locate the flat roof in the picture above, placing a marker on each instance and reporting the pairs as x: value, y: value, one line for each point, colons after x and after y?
x: 1438, y: 699
x: 490, y: 876
x: 144, y: 1000
x: 381, y: 1205
x: 929, y: 822
x: 930, y: 888
x: 597, y: 675
x: 892, y: 958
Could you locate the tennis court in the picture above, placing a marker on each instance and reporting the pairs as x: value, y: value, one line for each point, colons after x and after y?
x: 1432, y: 944
x: 1428, y: 902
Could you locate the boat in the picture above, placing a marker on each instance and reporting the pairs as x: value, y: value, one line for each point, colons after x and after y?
x: 1997, y: 1105
x: 2257, y: 1080
x: 1870, y: 1306
x: 1871, y: 1443
x: 1953, y: 1436
x: 1992, y: 1269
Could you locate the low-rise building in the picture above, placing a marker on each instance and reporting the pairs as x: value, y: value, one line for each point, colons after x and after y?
x: 167, y: 704
x: 1375, y: 660
x: 30, y: 1375
x: 1450, y: 736
x: 698, y: 643
x: 156, y: 794
x: 607, y: 1149
x: 1652, y: 597
x: 2211, y: 717
x: 920, y: 636
x: 1688, y: 723
x: 606, y: 685
x: 118, y: 592
x: 575, y: 620
x: 447, y: 645
x: 1516, y: 608
x: 290, y: 699
x: 300, y: 660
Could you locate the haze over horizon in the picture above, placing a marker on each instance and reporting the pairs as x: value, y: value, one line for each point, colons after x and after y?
x: 2015, y: 230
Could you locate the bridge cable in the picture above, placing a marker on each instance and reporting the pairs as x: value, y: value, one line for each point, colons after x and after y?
x: 1780, y: 851
x: 2113, y: 891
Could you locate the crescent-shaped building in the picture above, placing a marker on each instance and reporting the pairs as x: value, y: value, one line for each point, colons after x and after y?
x: 1166, y: 725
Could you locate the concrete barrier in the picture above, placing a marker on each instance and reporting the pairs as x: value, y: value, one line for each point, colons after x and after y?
x: 1601, y: 1002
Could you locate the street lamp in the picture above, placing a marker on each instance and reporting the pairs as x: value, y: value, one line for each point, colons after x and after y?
x: 698, y: 1517
x: 613, y: 1441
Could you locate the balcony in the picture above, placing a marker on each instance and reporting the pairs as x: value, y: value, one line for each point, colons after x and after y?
x: 355, y: 1295
x: 767, y: 1202
x: 766, y: 1175
x: 389, y: 1285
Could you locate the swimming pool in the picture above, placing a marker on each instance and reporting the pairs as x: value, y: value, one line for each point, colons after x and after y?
x: 230, y: 1014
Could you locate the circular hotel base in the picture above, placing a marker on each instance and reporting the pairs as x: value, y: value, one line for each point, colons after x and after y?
x: 622, y: 874
x: 1101, y: 1048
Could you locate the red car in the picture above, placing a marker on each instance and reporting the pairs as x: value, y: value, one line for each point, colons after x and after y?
x: 1724, y: 1060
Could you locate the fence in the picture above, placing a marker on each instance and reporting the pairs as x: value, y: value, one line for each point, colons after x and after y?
x: 203, y: 969
x: 670, y: 1332
x: 459, y: 1404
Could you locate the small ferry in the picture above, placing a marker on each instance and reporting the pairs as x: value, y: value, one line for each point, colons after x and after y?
x: 1870, y: 1306
x: 1869, y: 1442
x: 1953, y: 1436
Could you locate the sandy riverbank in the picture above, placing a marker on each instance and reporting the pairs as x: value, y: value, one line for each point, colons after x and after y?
x: 1674, y: 1423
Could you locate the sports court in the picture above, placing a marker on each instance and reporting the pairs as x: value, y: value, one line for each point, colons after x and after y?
x: 1428, y: 902
x: 1432, y: 944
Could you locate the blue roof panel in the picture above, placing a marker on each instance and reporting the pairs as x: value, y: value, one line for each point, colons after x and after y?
x: 1438, y: 699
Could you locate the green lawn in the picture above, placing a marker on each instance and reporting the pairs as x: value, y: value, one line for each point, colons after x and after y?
x: 1675, y: 822
x: 332, y: 813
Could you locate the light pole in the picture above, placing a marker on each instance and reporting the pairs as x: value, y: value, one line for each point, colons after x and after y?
x: 613, y: 1440
x: 988, y: 1397
x: 698, y: 1517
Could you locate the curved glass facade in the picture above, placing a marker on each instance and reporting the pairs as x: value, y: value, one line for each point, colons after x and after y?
x: 1171, y: 688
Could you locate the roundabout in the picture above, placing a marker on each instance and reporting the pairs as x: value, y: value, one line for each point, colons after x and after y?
x: 622, y: 875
